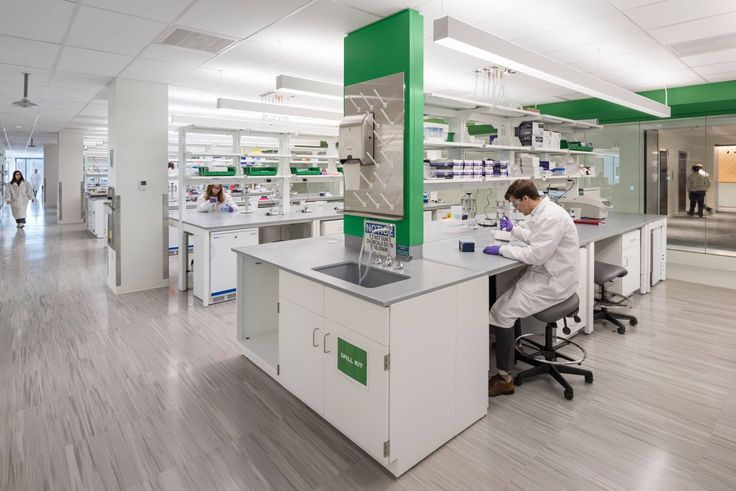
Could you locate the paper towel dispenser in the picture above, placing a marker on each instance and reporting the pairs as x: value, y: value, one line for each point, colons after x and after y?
x: 356, y: 139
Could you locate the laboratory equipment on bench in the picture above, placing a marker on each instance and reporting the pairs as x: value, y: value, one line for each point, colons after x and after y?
x: 469, y: 208
x: 502, y: 210
x: 589, y: 206
x: 247, y: 206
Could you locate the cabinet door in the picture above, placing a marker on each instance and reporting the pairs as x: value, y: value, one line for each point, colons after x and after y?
x: 356, y: 388
x: 656, y: 255
x: 300, y: 353
x: 632, y: 262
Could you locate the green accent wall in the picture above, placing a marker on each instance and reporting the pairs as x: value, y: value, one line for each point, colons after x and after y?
x: 392, y: 45
x: 686, y: 102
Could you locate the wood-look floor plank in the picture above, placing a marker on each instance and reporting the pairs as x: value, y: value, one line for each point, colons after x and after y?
x: 148, y: 391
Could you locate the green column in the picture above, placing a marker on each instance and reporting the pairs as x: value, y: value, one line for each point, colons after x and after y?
x: 392, y: 45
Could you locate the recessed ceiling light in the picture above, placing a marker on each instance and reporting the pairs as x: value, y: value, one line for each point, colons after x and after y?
x: 18, y: 127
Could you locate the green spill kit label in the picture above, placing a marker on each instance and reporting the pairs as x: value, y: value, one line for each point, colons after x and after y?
x: 352, y: 361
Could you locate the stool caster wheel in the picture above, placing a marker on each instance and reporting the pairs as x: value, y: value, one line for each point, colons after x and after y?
x: 568, y: 395
x: 589, y: 379
x: 517, y: 382
x: 633, y: 322
x: 621, y: 330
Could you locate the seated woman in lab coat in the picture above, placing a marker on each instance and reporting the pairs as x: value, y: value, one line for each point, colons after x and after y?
x: 215, y: 199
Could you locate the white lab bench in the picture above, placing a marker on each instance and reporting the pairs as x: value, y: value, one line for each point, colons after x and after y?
x: 96, y: 217
x: 399, y: 369
x: 216, y: 234
x: 422, y: 342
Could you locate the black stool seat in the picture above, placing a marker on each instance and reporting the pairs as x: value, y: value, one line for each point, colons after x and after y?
x: 546, y: 358
x: 567, y: 308
x: 605, y: 273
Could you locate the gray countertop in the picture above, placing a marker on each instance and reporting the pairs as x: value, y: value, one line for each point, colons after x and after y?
x: 300, y: 256
x: 219, y: 221
x: 443, y: 264
x: 616, y: 223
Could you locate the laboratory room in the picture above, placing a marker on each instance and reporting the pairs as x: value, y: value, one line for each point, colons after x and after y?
x: 353, y: 244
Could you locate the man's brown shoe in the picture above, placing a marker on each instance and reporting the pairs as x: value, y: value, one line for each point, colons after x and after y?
x: 497, y: 386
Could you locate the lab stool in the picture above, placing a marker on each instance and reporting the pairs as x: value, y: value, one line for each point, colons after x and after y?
x: 606, y: 273
x: 545, y: 359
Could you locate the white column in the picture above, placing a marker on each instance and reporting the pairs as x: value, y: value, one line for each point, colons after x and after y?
x: 51, y: 175
x: 69, y: 187
x: 137, y: 129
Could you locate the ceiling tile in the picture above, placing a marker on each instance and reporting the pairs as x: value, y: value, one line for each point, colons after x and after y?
x: 250, y: 54
x: 92, y: 62
x: 162, y: 10
x: 710, y: 58
x: 11, y: 76
x: 660, y: 67
x: 624, y: 60
x: 70, y: 95
x: 678, y: 11
x: 544, y: 17
x: 237, y: 18
x: 335, y: 21
x: 55, y: 105
x: 110, y: 31
x: 381, y: 8
x: 581, y: 34
x: 716, y: 68
x: 721, y: 77
x: 697, y: 29
x: 43, y: 20
x: 630, y: 4
x: 23, y: 52
x: 79, y: 81
x: 635, y: 42
x: 471, y: 11
x: 153, y: 70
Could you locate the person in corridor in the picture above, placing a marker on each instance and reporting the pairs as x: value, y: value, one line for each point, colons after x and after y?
x: 18, y: 193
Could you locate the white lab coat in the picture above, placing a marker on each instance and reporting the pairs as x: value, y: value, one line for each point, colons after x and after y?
x: 204, y: 206
x: 19, y: 196
x: 553, y: 257
x: 35, y: 181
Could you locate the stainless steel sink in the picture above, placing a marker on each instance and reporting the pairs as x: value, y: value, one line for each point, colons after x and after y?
x: 348, y: 271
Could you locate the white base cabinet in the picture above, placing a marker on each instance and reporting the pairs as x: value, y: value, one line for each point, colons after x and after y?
x: 622, y: 250
x: 399, y: 381
x: 215, y: 258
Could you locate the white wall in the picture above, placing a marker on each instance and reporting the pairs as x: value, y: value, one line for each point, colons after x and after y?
x: 706, y: 269
x: 71, y: 165
x: 51, y: 174
x: 138, y: 133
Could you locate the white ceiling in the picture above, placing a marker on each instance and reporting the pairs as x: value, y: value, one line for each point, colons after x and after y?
x: 73, y: 49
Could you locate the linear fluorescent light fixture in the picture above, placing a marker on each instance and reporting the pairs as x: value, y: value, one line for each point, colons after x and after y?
x: 304, y: 86
x: 455, y: 34
x: 264, y: 107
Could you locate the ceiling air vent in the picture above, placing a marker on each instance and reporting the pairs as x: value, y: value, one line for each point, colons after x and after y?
x: 705, y: 45
x: 185, y: 38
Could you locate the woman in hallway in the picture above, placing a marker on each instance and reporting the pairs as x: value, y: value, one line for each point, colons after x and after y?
x: 18, y: 193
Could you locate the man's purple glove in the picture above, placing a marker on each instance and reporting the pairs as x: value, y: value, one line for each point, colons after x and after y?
x: 213, y: 199
x: 506, y: 224
x: 494, y: 250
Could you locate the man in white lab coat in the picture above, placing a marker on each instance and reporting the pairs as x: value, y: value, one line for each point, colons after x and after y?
x: 35, y: 182
x: 552, y: 252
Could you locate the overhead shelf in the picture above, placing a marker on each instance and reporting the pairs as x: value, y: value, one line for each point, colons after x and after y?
x: 443, y: 105
x: 505, y: 148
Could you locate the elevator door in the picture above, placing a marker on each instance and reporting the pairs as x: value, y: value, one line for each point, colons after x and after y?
x: 681, y: 181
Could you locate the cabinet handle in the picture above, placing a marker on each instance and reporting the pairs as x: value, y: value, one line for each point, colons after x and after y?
x: 324, y: 343
x: 626, y: 262
x: 314, y: 331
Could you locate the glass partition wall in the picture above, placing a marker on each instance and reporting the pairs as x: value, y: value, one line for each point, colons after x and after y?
x: 654, y: 173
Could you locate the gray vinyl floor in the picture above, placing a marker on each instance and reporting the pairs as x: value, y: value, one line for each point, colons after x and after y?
x: 149, y: 391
